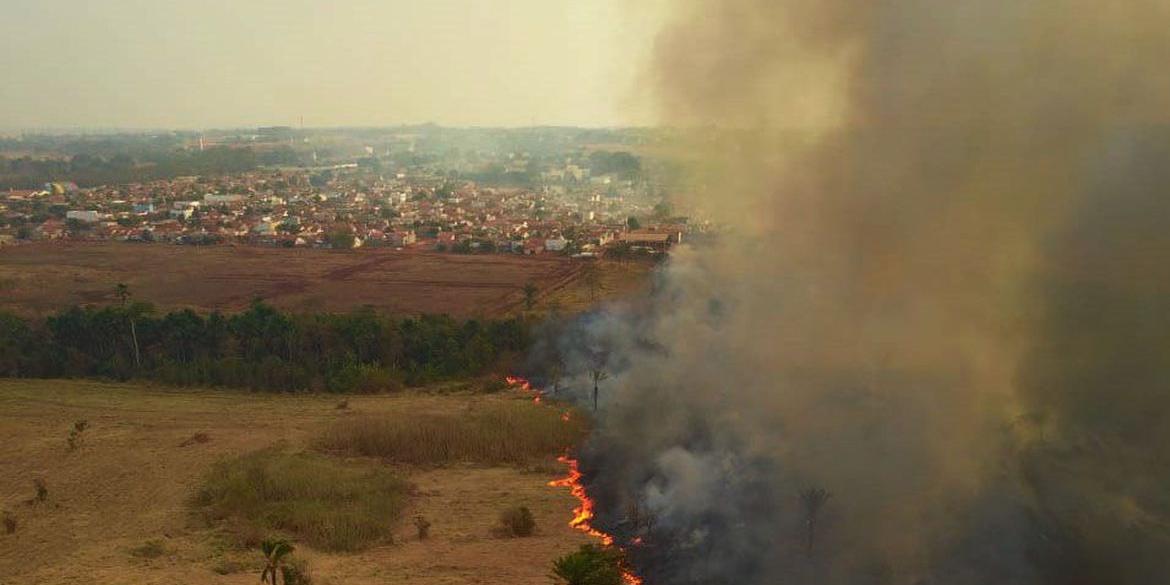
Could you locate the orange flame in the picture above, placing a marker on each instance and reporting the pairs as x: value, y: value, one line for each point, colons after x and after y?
x: 583, y: 513
x: 526, y: 386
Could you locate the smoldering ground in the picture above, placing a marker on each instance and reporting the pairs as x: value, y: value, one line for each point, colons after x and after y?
x: 943, y: 299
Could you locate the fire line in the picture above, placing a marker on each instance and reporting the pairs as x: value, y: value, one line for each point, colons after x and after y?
x: 583, y: 513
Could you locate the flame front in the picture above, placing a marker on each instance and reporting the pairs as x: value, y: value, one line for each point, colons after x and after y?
x: 583, y: 513
x: 526, y: 386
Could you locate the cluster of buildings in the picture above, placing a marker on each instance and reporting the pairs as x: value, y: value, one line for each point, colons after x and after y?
x: 344, y: 207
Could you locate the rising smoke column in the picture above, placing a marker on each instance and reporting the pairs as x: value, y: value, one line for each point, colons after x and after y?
x: 942, y: 300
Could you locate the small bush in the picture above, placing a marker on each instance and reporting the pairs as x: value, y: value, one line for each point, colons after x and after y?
x: 42, y: 491
x: 74, y: 438
x: 9, y: 522
x: 518, y: 522
x: 296, y: 571
x: 151, y: 549
x: 328, y: 504
x: 590, y: 565
x: 424, y: 527
x: 196, y: 439
x: 516, y: 433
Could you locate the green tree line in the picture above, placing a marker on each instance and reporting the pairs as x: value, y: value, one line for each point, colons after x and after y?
x: 260, y: 348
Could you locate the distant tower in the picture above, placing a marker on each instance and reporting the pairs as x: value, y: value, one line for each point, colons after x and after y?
x: 200, y: 143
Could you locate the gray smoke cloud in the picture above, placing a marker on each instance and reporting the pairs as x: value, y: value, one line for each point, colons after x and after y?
x: 944, y: 298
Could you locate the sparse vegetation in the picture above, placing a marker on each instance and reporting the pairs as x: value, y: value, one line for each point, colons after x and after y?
x: 227, y: 567
x: 423, y: 526
x: 590, y: 565
x: 327, y: 504
x: 196, y: 439
x: 517, y: 522
x: 75, y: 433
x: 530, y: 291
x: 296, y: 571
x: 493, y: 384
x: 508, y: 433
x: 42, y: 491
x: 151, y: 549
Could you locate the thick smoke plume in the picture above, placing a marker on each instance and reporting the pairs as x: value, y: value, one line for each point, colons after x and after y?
x: 934, y: 344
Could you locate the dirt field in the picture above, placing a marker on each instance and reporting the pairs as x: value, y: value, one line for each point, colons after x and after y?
x: 39, y: 278
x: 131, y: 480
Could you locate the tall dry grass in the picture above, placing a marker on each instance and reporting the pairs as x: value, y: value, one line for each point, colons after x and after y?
x: 512, y: 433
x: 328, y: 504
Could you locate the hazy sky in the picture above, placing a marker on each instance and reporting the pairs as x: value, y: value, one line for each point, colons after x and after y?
x: 217, y: 63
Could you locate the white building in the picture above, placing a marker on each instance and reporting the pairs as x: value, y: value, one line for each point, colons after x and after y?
x: 87, y: 216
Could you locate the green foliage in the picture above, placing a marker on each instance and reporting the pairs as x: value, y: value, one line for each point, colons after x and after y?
x: 511, y: 433
x: 275, y: 551
x: 260, y: 348
x: 590, y: 565
x: 328, y: 504
x: 518, y: 522
x: 341, y: 240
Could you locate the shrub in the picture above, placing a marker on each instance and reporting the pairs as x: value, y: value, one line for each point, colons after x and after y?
x: 296, y: 571
x: 424, y: 527
x: 151, y: 549
x: 74, y: 438
x: 42, y: 491
x: 513, y: 432
x: 590, y: 565
x: 518, y: 522
x: 328, y: 504
x: 196, y: 439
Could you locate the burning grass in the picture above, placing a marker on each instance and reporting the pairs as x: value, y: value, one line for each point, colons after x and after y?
x: 324, y: 503
x: 504, y: 433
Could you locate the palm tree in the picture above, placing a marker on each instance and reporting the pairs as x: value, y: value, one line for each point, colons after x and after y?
x: 275, y: 551
x: 598, y: 374
x: 592, y: 278
x: 813, y: 499
x: 556, y: 371
x: 529, y: 295
x: 123, y: 296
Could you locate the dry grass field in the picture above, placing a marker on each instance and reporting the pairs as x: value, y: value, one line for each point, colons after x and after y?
x: 119, y: 508
x: 39, y: 278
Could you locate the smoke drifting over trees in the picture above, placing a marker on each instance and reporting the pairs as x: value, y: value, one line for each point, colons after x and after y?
x: 946, y: 301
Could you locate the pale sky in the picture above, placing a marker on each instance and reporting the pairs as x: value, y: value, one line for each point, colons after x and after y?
x: 230, y: 63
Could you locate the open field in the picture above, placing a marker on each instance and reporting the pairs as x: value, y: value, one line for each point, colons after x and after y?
x: 118, y: 509
x: 39, y: 278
